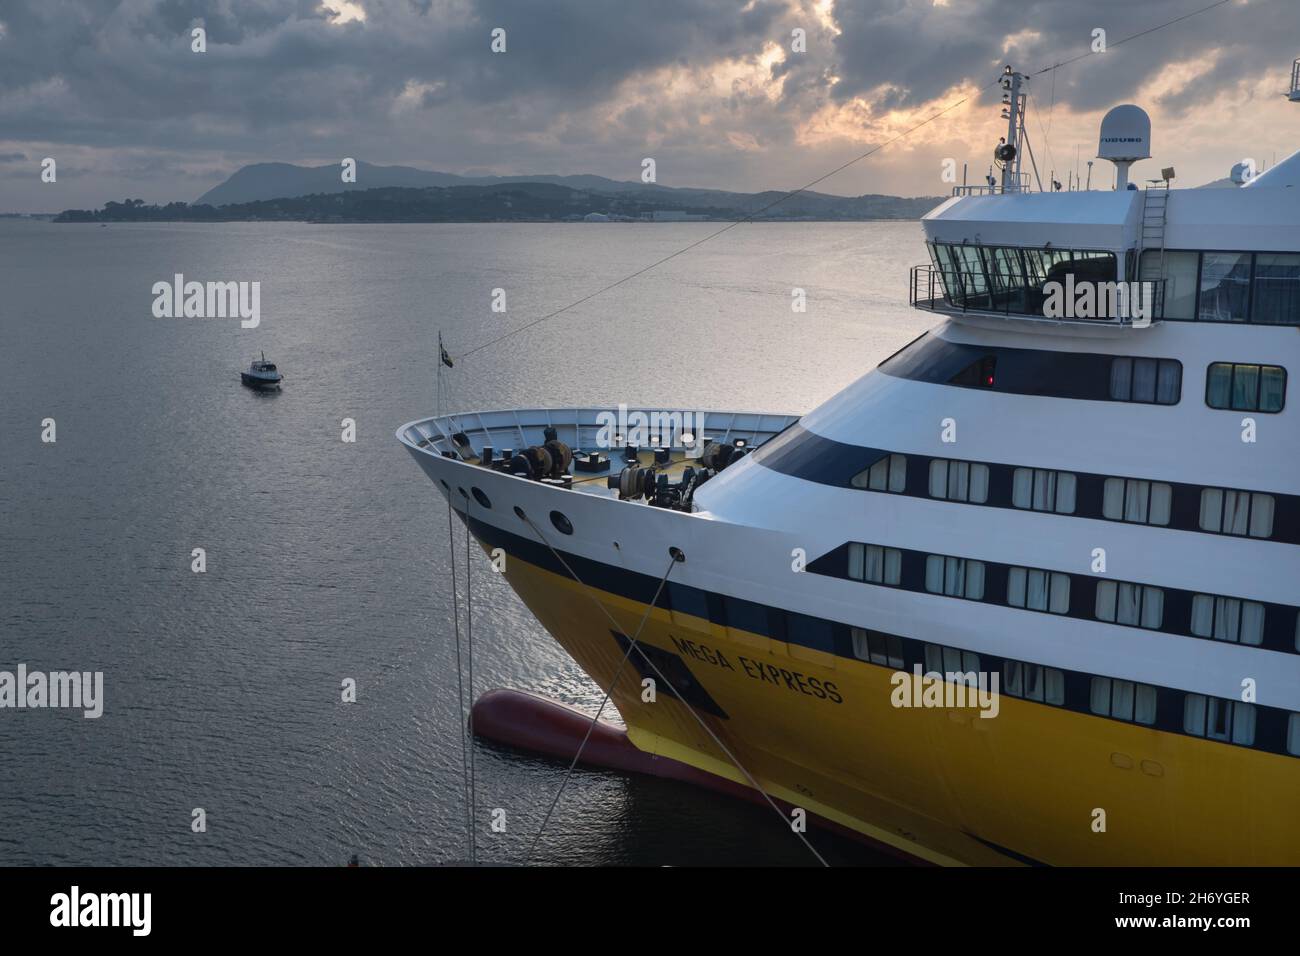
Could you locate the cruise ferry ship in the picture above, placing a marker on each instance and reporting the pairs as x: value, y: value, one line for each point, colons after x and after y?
x: 1093, y: 512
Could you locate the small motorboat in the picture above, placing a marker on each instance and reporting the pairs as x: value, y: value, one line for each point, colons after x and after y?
x: 261, y: 374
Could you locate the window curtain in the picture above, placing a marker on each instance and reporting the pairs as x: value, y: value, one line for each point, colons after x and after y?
x: 1261, y: 516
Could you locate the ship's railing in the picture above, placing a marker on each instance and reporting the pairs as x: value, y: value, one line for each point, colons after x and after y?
x: 1024, y: 185
x: 943, y: 290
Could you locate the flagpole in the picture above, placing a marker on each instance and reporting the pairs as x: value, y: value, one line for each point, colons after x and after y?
x: 437, y: 401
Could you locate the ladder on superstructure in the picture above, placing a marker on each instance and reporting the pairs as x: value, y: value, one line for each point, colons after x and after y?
x: 1155, y: 214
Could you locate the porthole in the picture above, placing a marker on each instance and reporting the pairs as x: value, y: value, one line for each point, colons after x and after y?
x: 520, y: 512
x: 562, y: 523
x: 443, y: 482
x: 481, y: 498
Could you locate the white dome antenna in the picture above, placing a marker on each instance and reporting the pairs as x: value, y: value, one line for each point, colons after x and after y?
x: 1125, y: 138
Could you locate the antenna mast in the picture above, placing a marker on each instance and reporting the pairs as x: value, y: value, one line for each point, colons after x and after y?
x: 1009, y: 151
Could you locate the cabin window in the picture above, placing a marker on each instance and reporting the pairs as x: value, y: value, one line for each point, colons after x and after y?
x: 1135, y: 605
x: 1218, y: 719
x: 887, y: 474
x: 962, y: 665
x: 1037, y: 590
x: 1041, y: 490
x: 746, y: 616
x: 1245, y: 388
x: 1236, y: 512
x: 874, y: 564
x: 1123, y: 700
x: 955, y: 577
x: 1135, y: 500
x: 1225, y: 287
x: 1277, y: 289
x: 1034, y: 682
x: 878, y: 648
x: 1228, y: 619
x: 814, y: 632
x: 1146, y: 380
x: 959, y: 481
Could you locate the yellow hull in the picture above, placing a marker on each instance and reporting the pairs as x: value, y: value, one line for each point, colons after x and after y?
x: 940, y: 784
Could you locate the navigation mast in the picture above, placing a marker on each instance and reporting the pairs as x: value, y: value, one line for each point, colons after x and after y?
x: 1009, y: 151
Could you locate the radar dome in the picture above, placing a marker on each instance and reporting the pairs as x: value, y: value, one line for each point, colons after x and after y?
x: 1125, y: 135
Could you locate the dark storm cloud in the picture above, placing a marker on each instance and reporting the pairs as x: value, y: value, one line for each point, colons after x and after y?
x: 112, y: 87
x: 922, y: 49
x: 98, y: 72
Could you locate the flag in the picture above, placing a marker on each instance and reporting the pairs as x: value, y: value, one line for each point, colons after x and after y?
x: 446, y: 359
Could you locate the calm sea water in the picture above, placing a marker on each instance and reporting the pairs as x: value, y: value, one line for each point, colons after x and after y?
x: 328, y: 560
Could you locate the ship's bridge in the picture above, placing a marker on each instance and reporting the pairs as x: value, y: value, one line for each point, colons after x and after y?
x: 1148, y: 254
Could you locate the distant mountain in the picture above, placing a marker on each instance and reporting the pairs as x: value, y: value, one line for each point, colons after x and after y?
x: 267, y: 181
x: 512, y: 202
x: 285, y: 180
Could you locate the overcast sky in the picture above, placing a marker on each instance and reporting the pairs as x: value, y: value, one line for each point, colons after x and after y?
x: 710, y: 88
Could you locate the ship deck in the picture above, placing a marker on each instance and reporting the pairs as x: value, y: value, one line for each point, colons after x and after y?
x: 581, y: 429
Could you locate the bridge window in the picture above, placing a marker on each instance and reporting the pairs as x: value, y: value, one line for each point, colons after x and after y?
x: 1236, y: 512
x: 1137, y: 501
x: 1137, y: 605
x: 1123, y: 700
x: 1225, y: 287
x: 1228, y: 619
x: 1219, y: 719
x: 1277, y: 289
x: 1245, y: 388
x: 1011, y: 279
x: 959, y: 481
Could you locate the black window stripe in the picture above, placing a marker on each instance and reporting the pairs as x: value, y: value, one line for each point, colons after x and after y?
x: 1176, y: 617
x: 1041, y: 372
x: 801, y: 453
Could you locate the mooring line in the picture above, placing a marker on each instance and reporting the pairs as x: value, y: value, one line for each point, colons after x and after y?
x: 460, y: 686
x: 469, y: 724
x: 667, y: 683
